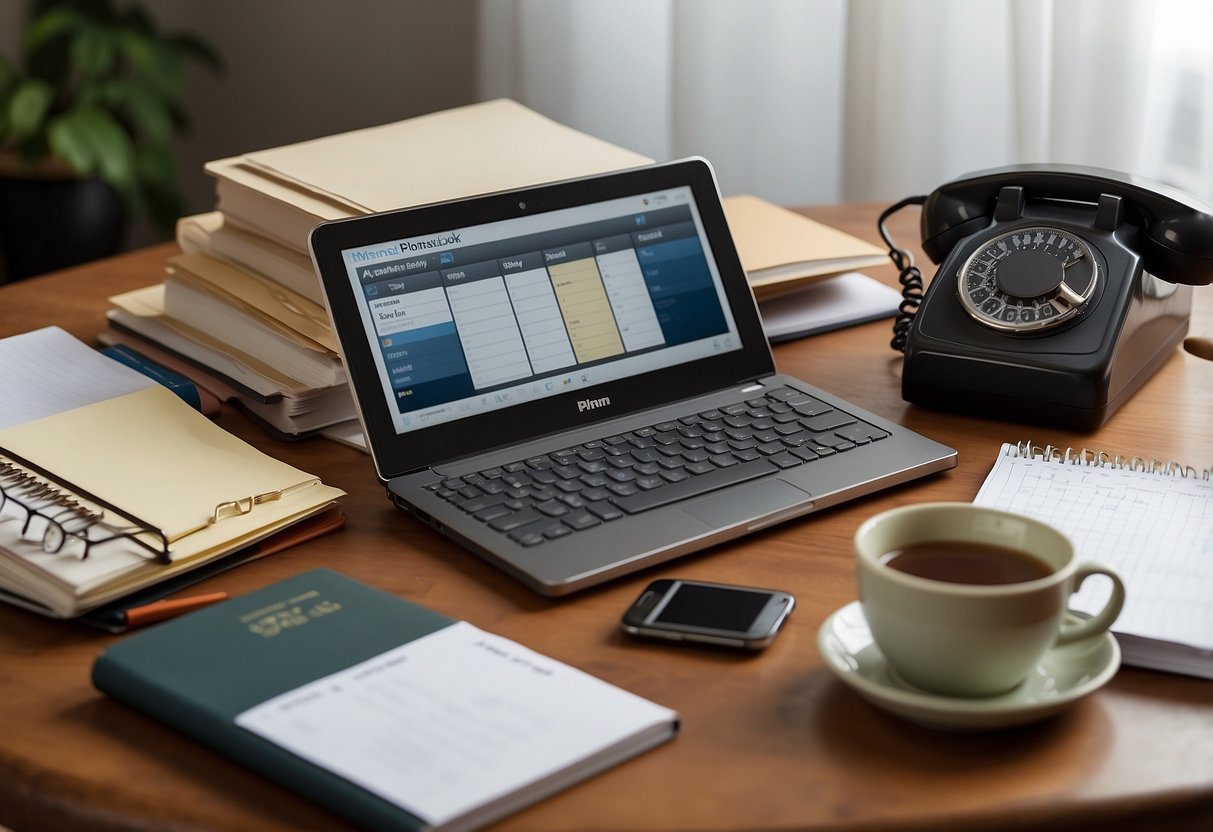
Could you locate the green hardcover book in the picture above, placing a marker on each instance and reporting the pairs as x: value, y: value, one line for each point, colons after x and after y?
x: 386, y: 712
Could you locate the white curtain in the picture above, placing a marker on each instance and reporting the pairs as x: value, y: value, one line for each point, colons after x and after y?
x: 818, y: 101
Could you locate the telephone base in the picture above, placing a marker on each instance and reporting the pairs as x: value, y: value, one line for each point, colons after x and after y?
x: 1077, y: 397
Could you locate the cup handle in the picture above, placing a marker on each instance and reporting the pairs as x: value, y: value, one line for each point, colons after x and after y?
x: 1101, y: 621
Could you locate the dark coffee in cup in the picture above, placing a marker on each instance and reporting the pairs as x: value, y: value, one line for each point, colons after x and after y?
x: 967, y: 562
x: 964, y: 600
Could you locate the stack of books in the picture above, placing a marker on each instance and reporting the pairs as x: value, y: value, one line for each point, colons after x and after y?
x: 240, y: 311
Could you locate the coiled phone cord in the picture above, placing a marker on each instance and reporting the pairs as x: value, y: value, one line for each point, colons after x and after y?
x: 908, y: 275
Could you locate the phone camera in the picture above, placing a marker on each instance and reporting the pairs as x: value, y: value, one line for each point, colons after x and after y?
x: 522, y: 205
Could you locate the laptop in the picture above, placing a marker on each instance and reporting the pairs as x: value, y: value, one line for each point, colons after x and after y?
x: 572, y: 381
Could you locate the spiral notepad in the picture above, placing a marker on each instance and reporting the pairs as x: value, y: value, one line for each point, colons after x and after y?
x: 1150, y: 520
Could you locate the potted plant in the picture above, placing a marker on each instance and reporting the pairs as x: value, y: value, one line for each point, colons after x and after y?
x: 87, y: 114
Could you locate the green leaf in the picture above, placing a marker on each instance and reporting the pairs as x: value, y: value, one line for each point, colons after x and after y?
x: 148, y: 115
x: 58, y: 20
x: 90, y: 141
x: 71, y: 144
x: 93, y: 52
x: 28, y: 107
x: 157, y: 63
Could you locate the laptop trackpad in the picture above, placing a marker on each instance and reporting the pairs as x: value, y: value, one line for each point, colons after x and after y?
x: 747, y: 502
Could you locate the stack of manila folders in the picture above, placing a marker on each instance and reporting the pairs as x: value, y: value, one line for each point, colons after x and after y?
x: 240, y: 310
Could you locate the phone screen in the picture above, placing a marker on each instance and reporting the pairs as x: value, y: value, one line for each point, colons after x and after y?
x: 720, y: 614
x: 719, y: 608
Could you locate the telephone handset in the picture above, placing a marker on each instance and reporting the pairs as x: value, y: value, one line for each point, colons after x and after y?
x: 1061, y: 289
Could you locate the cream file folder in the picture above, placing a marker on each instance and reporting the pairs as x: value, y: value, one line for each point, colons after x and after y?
x: 494, y: 145
x: 141, y: 311
x: 475, y: 149
x: 209, y: 234
x: 782, y: 250
x: 276, y: 306
x: 281, y: 193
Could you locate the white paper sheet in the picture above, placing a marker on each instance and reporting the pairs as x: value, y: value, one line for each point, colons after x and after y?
x: 835, y: 302
x: 49, y: 371
x: 452, y: 721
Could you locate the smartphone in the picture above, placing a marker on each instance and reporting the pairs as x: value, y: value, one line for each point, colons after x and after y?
x: 708, y: 613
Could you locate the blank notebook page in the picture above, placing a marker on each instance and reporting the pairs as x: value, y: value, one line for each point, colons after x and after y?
x: 1155, y: 529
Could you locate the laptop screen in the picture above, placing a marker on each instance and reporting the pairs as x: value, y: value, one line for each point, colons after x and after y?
x: 478, y: 318
x: 489, y: 321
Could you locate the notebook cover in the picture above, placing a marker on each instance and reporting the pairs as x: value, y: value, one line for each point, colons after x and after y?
x: 198, y: 672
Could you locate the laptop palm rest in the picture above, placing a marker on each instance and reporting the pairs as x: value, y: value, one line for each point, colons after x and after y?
x: 747, y: 502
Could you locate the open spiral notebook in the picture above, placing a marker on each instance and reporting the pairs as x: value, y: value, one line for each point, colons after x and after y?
x: 1151, y: 521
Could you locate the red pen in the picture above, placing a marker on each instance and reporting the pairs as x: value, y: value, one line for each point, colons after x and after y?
x: 160, y: 610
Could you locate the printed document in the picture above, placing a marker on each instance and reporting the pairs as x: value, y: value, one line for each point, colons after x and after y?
x: 455, y: 720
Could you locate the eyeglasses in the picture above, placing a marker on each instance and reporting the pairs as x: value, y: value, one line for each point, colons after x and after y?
x: 64, y: 518
x: 61, y: 523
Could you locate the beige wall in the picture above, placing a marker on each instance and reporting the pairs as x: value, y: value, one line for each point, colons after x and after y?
x: 298, y: 69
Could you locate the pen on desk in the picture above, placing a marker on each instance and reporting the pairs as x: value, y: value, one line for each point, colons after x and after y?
x: 117, y: 618
x: 146, y: 614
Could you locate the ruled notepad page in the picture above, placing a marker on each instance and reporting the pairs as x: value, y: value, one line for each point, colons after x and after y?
x: 1154, y: 529
x: 49, y: 371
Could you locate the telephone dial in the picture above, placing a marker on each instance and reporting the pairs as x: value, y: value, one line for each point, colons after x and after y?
x: 1061, y: 289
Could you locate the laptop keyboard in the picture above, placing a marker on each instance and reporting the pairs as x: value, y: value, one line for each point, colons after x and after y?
x: 550, y: 496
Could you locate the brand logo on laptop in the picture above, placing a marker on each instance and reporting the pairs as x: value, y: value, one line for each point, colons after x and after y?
x: 592, y: 404
x: 435, y: 242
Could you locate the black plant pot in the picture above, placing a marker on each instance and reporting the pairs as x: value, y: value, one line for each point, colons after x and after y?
x: 48, y: 224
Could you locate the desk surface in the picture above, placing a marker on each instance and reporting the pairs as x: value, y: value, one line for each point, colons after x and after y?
x: 771, y: 741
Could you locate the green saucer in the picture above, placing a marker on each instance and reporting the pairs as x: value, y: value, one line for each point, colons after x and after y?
x: 1064, y: 675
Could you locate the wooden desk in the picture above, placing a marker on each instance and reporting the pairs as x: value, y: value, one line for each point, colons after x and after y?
x: 768, y: 742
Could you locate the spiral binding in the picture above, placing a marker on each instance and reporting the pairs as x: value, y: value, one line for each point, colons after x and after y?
x: 1102, y: 459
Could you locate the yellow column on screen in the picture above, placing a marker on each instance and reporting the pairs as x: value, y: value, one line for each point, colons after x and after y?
x: 587, y: 312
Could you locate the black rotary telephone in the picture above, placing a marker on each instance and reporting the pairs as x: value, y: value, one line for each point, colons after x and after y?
x: 1056, y: 296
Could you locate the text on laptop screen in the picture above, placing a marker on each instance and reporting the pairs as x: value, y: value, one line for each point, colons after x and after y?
x: 479, y: 318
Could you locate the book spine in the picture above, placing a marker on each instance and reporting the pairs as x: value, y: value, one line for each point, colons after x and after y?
x: 220, y: 732
x: 176, y: 382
